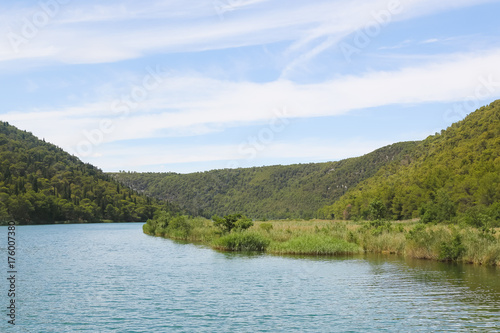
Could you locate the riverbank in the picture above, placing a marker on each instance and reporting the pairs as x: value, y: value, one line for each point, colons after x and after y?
x: 319, y: 237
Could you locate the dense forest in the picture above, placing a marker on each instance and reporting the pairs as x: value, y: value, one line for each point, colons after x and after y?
x: 40, y: 183
x: 272, y: 192
x: 452, y: 175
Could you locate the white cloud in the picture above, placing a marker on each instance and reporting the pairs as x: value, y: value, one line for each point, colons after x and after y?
x: 185, y: 106
x: 74, y: 34
x: 113, y: 158
x: 351, y: 17
x: 430, y: 41
x: 190, y: 105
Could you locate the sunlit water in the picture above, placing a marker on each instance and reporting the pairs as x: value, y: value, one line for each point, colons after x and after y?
x: 112, y: 277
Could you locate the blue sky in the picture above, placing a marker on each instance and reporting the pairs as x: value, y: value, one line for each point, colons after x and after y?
x: 185, y: 86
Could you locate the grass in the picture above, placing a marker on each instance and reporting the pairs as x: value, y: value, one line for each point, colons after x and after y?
x: 314, y: 245
x: 319, y: 237
x: 241, y: 241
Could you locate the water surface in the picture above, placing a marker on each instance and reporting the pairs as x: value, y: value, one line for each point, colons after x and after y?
x: 112, y: 277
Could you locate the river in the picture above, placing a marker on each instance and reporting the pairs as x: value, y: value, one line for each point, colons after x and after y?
x: 112, y: 277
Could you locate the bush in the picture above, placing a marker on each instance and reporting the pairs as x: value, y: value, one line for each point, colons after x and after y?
x: 452, y: 251
x: 160, y: 232
x: 426, y: 242
x: 377, y: 227
x: 242, y: 241
x: 377, y: 210
x: 440, y: 210
x: 162, y: 219
x: 266, y: 226
x: 428, y: 213
x: 494, y: 212
x: 478, y: 217
x: 230, y: 222
x: 148, y: 229
x: 243, y: 223
x: 180, y: 223
x: 418, y: 233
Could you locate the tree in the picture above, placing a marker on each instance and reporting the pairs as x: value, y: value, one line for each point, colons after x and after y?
x: 20, y: 208
x: 230, y: 222
x: 439, y: 210
x: 377, y: 210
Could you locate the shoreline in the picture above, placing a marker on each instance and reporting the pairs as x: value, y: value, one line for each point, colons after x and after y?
x: 410, y: 239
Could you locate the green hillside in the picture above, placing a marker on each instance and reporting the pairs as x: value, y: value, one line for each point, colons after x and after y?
x: 293, y: 191
x: 453, y: 174
x: 40, y: 183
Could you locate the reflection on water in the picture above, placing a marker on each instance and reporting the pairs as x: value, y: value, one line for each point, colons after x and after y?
x: 112, y: 277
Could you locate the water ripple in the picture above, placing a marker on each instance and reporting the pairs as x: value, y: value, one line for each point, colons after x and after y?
x: 111, y: 277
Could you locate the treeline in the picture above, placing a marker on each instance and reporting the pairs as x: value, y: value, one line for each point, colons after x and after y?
x: 451, y: 176
x: 40, y: 183
x: 272, y: 192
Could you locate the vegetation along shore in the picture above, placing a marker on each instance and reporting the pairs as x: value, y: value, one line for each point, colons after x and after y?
x: 459, y: 242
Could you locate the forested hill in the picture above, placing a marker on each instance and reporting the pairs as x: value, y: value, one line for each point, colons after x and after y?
x: 451, y: 175
x: 40, y: 183
x: 295, y: 191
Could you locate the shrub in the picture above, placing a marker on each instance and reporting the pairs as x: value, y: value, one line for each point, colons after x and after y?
x: 416, y: 233
x: 452, y: 251
x: 241, y: 241
x: 426, y: 242
x: 428, y: 213
x: 478, y: 217
x: 160, y: 232
x: 243, y: 223
x: 162, y: 219
x: 148, y: 229
x: 346, y: 214
x: 266, y: 226
x: 494, y: 212
x: 440, y: 210
x: 230, y: 222
x: 180, y: 223
x: 377, y: 227
x: 377, y: 210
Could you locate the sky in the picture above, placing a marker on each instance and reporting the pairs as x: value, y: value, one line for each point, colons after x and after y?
x: 193, y: 85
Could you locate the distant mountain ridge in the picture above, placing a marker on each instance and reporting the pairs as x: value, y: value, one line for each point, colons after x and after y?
x: 447, y: 175
x: 40, y: 183
x: 453, y: 173
x: 443, y: 176
x: 292, y: 191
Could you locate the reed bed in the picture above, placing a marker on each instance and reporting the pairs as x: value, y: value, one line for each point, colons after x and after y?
x: 325, y: 237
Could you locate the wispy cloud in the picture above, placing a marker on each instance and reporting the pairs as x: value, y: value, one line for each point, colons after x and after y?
x: 185, y: 106
x: 113, y: 158
x: 398, y: 46
x: 99, y: 47
x: 355, y: 17
x: 75, y: 35
x: 430, y: 41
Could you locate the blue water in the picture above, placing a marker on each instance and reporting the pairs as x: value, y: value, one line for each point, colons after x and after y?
x: 112, y: 277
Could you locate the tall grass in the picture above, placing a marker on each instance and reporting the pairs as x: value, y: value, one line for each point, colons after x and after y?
x: 481, y: 248
x: 241, y: 241
x: 314, y: 245
x: 319, y: 237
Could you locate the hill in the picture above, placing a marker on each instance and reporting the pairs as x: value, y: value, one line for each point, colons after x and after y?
x: 40, y: 183
x: 451, y: 174
x: 293, y: 191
